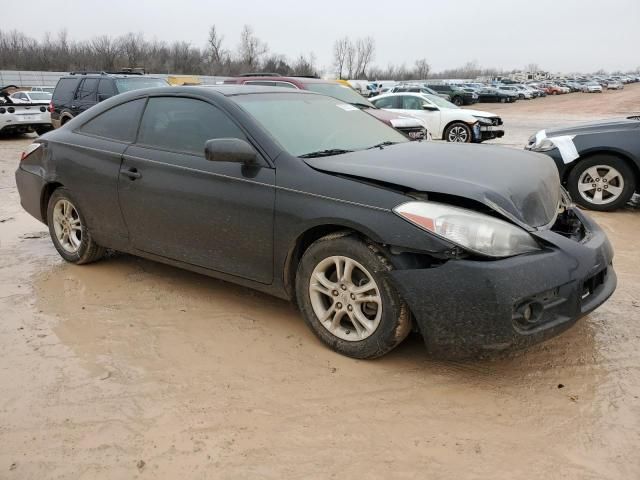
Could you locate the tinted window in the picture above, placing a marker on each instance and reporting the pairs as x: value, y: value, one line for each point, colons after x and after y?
x: 386, y: 102
x: 184, y: 125
x: 285, y: 84
x: 411, y: 103
x: 263, y: 83
x: 87, y: 90
x: 106, y: 89
x: 135, y: 83
x: 339, y: 91
x: 118, y: 123
x: 65, y: 89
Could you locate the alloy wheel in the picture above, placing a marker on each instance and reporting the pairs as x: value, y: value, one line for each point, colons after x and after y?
x: 458, y: 134
x: 600, y: 184
x: 67, y: 225
x: 345, y: 298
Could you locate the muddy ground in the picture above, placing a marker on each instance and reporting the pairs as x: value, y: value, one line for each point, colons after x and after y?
x: 132, y: 369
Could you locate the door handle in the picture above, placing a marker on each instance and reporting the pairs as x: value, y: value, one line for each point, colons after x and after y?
x: 132, y: 173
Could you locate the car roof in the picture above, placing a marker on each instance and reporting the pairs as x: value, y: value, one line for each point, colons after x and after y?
x: 274, y: 78
x: 106, y: 75
x: 231, y: 89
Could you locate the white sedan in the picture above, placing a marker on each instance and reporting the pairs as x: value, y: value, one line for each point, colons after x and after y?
x: 444, y: 120
x: 592, y: 87
x: 37, y: 98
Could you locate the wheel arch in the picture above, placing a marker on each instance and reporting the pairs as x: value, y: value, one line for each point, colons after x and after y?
x: 463, y: 122
x: 622, y: 155
x: 304, y: 240
x: 47, y: 191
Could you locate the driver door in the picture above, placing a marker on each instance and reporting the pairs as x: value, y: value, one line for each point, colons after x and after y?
x: 181, y: 206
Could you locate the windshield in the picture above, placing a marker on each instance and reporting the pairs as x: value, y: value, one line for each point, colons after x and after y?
x: 304, y: 124
x: 40, y: 95
x: 128, y: 84
x: 439, y: 101
x: 341, y: 92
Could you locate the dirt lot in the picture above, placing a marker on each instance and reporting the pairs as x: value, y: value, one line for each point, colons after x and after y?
x: 131, y: 369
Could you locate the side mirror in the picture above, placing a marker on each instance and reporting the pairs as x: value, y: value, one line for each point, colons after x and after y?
x: 430, y: 108
x: 230, y: 150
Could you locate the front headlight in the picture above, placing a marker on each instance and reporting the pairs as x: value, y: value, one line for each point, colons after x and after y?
x: 473, y: 231
x: 484, y: 120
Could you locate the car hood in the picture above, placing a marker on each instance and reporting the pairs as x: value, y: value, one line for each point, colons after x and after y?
x: 522, y: 186
x: 478, y: 113
x: 394, y: 119
x: 599, y: 126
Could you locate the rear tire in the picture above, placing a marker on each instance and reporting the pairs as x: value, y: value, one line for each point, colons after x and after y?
x: 614, y: 183
x: 68, y: 230
x: 331, y: 283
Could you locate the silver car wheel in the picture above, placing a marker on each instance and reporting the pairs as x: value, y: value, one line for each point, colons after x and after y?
x: 345, y: 298
x: 600, y: 184
x: 67, y: 226
x: 458, y: 134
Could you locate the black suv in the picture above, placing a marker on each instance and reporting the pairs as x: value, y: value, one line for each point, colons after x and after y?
x: 458, y: 95
x: 79, y: 91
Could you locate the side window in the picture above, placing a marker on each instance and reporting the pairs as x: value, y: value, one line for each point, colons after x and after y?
x: 106, y: 89
x: 65, y: 89
x: 284, y: 84
x: 386, y: 102
x: 263, y: 83
x: 184, y: 125
x: 87, y: 90
x: 411, y: 103
x: 118, y: 123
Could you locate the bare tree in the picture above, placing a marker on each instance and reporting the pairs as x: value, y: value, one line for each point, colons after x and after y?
x: 217, y: 55
x: 251, y: 48
x: 532, y: 68
x: 340, y: 48
x: 107, y: 50
x: 305, y: 66
x: 133, y: 47
x: 422, y: 69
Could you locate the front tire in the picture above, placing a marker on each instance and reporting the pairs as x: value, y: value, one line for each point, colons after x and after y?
x: 68, y: 230
x: 346, y: 298
x: 457, y: 101
x: 458, y: 133
x: 602, y: 182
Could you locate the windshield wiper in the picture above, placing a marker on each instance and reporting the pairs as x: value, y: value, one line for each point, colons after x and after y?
x: 361, y: 105
x: 325, y: 153
x: 381, y: 145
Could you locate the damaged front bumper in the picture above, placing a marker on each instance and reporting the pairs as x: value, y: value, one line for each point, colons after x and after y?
x: 465, y: 306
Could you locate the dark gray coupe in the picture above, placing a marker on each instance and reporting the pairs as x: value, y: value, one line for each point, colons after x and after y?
x: 308, y: 198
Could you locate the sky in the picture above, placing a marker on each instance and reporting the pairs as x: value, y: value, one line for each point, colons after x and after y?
x: 558, y: 35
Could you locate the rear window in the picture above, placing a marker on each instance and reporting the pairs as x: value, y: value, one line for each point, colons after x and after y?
x: 118, y: 123
x: 65, y: 89
x: 40, y: 95
x: 128, y: 84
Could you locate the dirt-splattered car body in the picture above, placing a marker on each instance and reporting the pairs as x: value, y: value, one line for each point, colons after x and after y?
x: 250, y: 223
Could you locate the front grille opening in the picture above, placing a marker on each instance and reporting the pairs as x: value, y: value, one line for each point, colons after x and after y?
x: 569, y: 225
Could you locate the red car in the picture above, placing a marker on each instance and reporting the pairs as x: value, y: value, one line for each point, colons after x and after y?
x: 410, y: 126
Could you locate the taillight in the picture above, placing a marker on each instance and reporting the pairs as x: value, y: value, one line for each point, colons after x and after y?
x: 51, y: 107
x: 30, y: 149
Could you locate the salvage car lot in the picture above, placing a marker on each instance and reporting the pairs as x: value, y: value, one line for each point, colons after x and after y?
x: 128, y: 367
